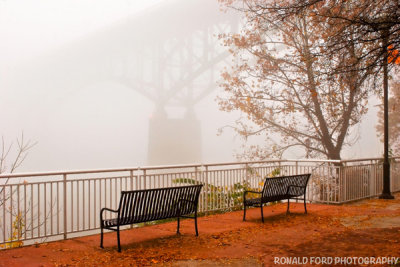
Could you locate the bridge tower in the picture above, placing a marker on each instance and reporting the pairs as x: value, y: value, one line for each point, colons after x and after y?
x: 176, y: 70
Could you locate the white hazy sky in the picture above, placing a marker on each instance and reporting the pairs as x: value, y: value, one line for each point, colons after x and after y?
x: 45, y: 24
x: 69, y: 125
x: 31, y: 28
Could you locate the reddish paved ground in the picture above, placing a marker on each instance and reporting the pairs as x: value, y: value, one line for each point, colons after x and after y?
x: 364, y: 229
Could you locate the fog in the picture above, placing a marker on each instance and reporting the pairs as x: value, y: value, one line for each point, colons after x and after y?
x: 107, y: 84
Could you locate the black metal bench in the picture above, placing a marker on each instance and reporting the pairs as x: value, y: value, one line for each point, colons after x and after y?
x: 278, y: 188
x: 152, y: 204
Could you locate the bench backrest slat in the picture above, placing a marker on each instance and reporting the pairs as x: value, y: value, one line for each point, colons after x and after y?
x: 159, y: 203
x: 124, y: 201
x: 279, y: 185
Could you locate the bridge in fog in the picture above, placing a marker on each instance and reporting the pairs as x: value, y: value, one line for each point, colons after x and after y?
x: 169, y: 53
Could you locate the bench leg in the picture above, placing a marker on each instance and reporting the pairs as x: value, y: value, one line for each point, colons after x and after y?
x: 288, y: 204
x: 305, y: 206
x: 177, y: 228
x: 195, y: 223
x: 119, y: 242
x: 262, y: 214
x: 101, y: 237
x: 244, y: 213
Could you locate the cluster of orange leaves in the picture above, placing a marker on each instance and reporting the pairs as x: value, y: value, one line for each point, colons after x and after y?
x: 393, y: 55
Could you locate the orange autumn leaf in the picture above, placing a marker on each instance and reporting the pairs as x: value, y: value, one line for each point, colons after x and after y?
x: 393, y: 55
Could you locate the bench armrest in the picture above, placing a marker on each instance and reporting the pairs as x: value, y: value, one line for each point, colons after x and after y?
x: 106, y: 209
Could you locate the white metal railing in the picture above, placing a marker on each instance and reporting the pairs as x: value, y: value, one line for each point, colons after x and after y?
x: 53, y: 205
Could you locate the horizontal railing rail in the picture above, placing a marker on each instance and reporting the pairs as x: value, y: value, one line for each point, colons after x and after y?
x: 54, y: 205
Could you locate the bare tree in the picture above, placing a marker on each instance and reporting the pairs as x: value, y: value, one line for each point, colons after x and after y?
x: 8, y: 165
x: 365, y: 22
x: 372, y: 25
x: 11, y: 158
x: 281, y: 83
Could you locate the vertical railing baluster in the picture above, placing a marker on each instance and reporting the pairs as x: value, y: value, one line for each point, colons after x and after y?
x: 65, y: 204
x: 144, y: 179
x: 11, y: 208
x: 83, y: 204
x: 100, y: 195
x: 25, y: 210
x: 110, y: 183
x: 220, y: 194
x: 77, y: 206
x: 138, y: 180
x: 196, y: 179
x: 51, y: 207
x: 4, y: 214
x: 18, y: 214
x: 32, y: 222
x: 115, y: 191
x: 131, y: 176
x: 206, y: 189
x: 58, y: 207
x: 38, y: 213
x: 344, y: 172
x: 246, y: 176
x: 95, y: 203
x: 216, y: 185
x: 72, y: 205
x: 89, y: 203
x: 45, y: 208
